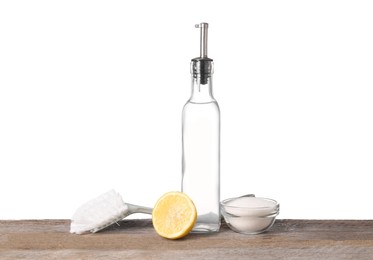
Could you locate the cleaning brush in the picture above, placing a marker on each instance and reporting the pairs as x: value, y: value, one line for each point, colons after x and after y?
x: 103, y: 211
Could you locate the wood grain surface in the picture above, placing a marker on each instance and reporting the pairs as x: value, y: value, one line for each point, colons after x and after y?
x: 136, y: 239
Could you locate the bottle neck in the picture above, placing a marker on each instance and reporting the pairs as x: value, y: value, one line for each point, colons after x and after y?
x: 201, y: 93
x: 202, y: 70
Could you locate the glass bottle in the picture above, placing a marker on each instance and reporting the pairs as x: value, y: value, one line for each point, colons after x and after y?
x: 201, y: 143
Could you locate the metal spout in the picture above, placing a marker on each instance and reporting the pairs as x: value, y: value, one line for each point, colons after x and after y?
x: 202, y: 66
x: 203, y: 39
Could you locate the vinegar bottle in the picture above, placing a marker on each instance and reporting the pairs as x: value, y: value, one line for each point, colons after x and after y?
x: 201, y: 143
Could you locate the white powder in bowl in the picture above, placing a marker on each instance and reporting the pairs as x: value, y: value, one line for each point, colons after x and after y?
x: 250, y: 215
x: 250, y: 206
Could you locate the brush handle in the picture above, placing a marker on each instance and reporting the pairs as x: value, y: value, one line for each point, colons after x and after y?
x: 139, y: 209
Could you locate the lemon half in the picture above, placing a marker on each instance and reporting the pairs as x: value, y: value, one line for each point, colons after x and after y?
x: 174, y: 215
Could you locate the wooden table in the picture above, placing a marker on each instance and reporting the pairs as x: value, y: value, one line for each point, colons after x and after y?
x: 136, y: 239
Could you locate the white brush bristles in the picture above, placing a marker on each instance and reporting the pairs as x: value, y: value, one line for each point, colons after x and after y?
x: 99, y: 213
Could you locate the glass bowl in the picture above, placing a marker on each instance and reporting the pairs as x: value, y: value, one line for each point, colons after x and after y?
x: 249, y: 214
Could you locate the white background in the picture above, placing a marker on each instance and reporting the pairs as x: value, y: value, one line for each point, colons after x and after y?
x: 91, y: 94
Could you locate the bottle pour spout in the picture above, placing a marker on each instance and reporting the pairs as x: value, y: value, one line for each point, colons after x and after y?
x: 202, y: 66
x: 203, y: 40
